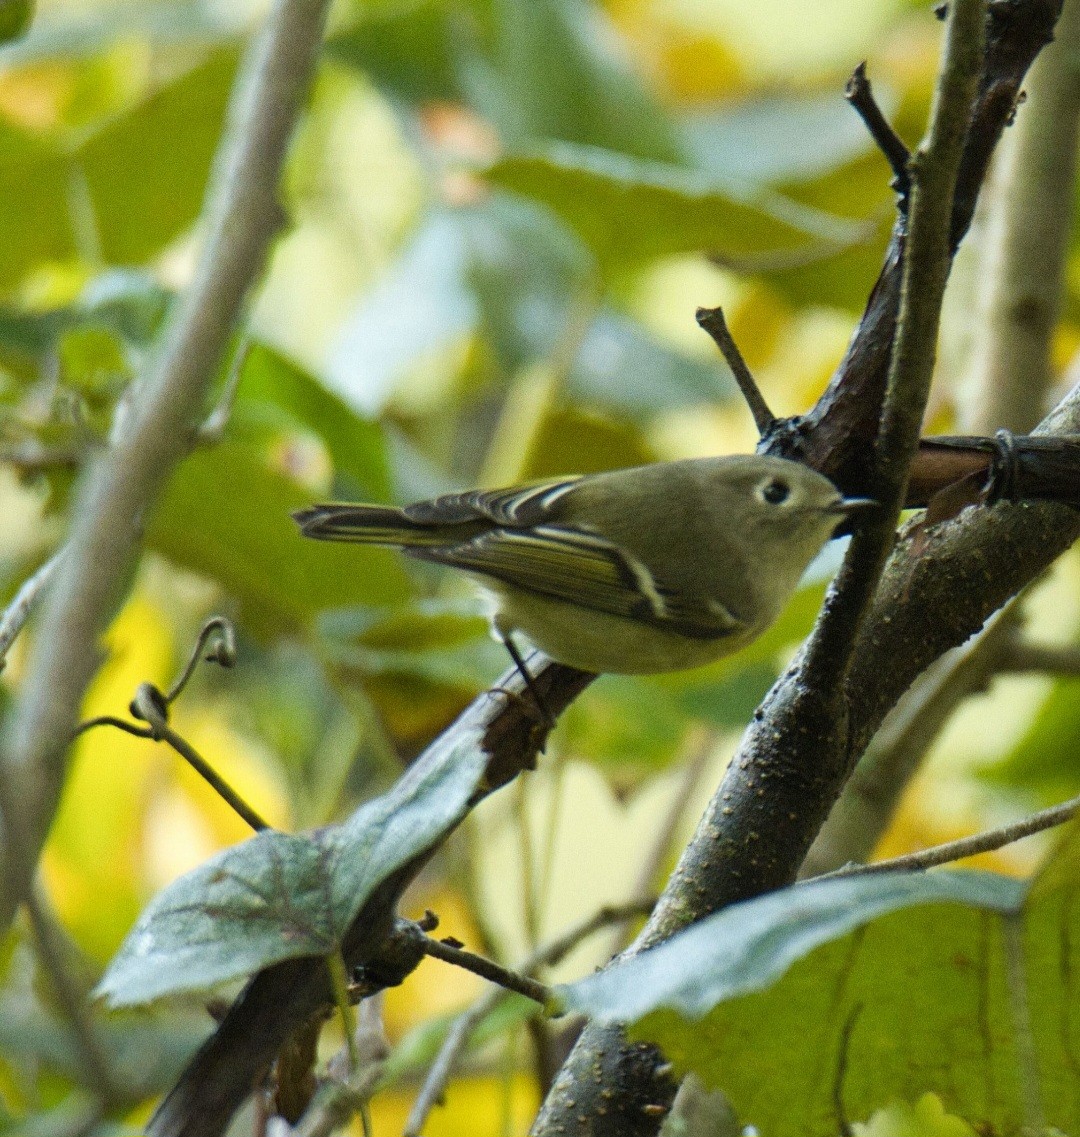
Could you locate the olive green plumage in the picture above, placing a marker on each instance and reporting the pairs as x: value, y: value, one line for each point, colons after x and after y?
x: 655, y: 568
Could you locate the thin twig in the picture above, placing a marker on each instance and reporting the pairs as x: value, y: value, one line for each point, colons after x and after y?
x: 967, y: 846
x: 712, y: 321
x: 113, y: 498
x: 453, y: 1045
x: 215, y: 780
x: 31, y: 456
x: 352, y: 1077
x: 556, y: 950
x: 488, y: 969
x: 112, y: 720
x: 927, y: 260
x: 463, y: 1027
x: 223, y: 652
x: 151, y: 706
x: 18, y: 611
x: 861, y: 97
x: 339, y: 983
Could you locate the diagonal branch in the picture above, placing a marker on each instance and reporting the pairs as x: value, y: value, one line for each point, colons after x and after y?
x: 122, y: 485
x: 971, y: 846
x: 15, y: 615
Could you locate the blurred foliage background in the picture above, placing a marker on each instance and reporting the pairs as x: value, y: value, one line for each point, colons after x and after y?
x: 498, y: 215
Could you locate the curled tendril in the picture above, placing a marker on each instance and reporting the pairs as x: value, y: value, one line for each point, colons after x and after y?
x: 151, y: 706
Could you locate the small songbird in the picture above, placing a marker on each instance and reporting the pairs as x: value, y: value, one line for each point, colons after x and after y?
x: 649, y: 569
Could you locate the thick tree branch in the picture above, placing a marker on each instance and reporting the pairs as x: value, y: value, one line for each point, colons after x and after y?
x: 123, y: 484
x: 796, y: 756
x: 1028, y: 236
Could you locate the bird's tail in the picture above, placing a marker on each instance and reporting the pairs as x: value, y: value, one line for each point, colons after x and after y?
x: 366, y: 525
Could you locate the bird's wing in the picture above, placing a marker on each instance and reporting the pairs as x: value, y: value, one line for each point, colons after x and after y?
x: 588, y: 571
x: 447, y: 520
x: 520, y: 506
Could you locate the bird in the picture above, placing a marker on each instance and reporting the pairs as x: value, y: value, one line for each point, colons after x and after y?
x: 641, y: 570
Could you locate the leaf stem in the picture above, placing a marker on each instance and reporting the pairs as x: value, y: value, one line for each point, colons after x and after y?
x: 462, y: 1028
x: 339, y: 983
x: 450, y: 952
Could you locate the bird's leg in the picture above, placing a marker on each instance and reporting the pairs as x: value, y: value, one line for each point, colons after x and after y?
x: 538, y: 699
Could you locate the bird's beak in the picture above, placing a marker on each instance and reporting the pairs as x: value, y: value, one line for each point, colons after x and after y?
x: 849, y: 506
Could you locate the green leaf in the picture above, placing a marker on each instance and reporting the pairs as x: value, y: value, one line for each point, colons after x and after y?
x: 1044, y: 761
x: 146, y: 1053
x: 510, y: 268
x: 628, y: 724
x: 627, y: 210
x: 35, y: 215
x: 356, y: 444
x: 748, y: 946
x: 621, y: 367
x: 551, y: 73
x: 126, y: 303
x: 146, y: 171
x: 278, y: 896
x: 439, y: 641
x: 420, y: 306
x: 253, y: 905
x: 862, y: 989
x: 227, y: 516
x: 15, y: 18
x: 528, y: 272
x: 408, y: 51
x: 542, y: 70
x: 780, y: 138
x: 26, y: 336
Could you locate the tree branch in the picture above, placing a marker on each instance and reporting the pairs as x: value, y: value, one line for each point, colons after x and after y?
x: 1029, y: 234
x: 16, y: 614
x: 462, y: 1028
x: 865, y: 808
x: 968, y: 846
x: 122, y: 485
x: 450, y: 951
x: 73, y: 998
x: 796, y: 756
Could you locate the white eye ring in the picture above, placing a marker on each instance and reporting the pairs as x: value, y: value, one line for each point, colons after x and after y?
x: 774, y: 492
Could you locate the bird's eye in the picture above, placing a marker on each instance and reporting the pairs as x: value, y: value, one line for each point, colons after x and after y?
x: 775, y: 491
